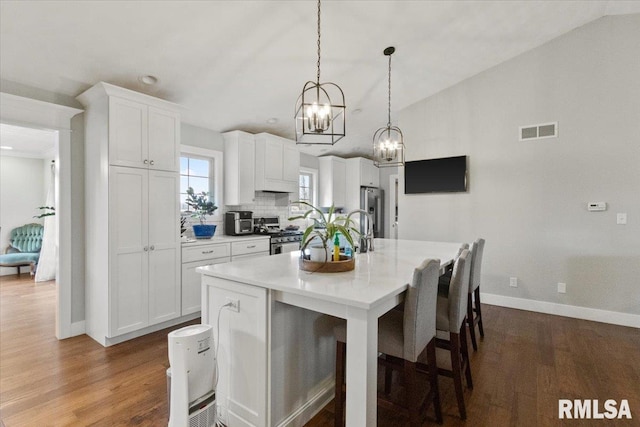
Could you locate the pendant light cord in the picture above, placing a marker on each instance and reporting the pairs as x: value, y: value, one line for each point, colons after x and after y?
x: 318, y: 42
x: 389, y: 122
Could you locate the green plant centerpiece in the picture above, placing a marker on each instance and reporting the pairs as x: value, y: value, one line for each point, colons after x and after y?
x: 325, y: 227
x: 201, y: 207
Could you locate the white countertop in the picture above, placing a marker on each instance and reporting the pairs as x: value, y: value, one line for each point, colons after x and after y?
x: 225, y: 239
x: 377, y: 274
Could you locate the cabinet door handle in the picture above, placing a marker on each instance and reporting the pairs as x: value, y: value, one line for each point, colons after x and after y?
x: 145, y: 249
x: 252, y: 246
x: 151, y: 162
x: 145, y: 161
x: 152, y: 247
x: 208, y: 252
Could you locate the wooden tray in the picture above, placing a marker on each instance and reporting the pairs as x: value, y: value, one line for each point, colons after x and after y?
x: 345, y: 264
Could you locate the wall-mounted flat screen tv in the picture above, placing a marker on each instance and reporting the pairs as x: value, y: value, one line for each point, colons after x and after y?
x: 445, y: 175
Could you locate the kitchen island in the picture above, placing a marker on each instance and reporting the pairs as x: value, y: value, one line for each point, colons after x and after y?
x: 276, y: 345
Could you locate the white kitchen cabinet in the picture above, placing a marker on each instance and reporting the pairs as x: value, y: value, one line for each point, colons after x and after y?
x: 141, y: 136
x: 277, y: 163
x: 129, y: 244
x: 194, y: 256
x: 369, y: 173
x: 361, y: 172
x: 239, y: 168
x: 332, y: 181
x: 164, y: 246
x: 145, y: 284
x: 249, y: 248
x: 192, y: 284
x: 132, y: 279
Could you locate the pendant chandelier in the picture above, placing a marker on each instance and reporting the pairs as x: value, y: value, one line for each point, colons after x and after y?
x: 320, y: 110
x: 388, y: 142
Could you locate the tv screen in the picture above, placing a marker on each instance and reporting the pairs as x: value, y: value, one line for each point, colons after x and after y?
x: 445, y: 175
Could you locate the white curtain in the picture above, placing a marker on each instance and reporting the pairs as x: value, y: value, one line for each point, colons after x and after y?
x: 49, y: 253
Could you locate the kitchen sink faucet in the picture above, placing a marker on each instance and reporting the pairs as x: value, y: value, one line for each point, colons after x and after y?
x: 366, y: 242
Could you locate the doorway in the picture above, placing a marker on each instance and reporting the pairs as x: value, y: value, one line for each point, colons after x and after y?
x: 34, y: 114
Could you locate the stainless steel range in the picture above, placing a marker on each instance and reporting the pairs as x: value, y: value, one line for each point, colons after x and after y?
x: 282, y: 241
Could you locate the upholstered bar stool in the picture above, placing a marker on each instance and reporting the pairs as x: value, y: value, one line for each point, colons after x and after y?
x: 474, y: 314
x: 403, y: 335
x: 445, y: 279
x: 451, y: 329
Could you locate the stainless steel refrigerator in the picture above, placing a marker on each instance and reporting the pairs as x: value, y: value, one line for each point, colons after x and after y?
x: 372, y: 201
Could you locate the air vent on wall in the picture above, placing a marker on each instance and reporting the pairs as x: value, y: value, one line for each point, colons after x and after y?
x: 541, y: 131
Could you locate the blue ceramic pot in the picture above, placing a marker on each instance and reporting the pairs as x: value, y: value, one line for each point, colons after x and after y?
x: 204, y: 231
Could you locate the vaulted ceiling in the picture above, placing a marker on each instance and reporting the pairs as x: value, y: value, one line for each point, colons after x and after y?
x: 237, y: 64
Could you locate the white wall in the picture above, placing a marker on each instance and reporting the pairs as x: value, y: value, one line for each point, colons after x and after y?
x: 528, y: 199
x: 21, y: 192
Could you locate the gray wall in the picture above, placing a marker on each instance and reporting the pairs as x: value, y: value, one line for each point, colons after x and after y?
x: 528, y: 199
x: 200, y: 137
x: 309, y: 161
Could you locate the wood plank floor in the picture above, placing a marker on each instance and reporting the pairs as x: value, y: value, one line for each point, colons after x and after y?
x: 526, y: 362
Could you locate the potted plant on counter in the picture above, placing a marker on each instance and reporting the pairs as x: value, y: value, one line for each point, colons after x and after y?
x: 201, y: 206
x: 319, y: 238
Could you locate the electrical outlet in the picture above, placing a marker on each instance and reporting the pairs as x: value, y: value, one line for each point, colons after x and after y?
x: 562, y: 288
x: 235, y: 304
x: 513, y: 282
x: 621, y: 218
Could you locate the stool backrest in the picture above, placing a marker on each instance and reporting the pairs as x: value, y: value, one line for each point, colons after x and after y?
x: 420, y: 309
x: 477, y: 248
x: 458, y: 290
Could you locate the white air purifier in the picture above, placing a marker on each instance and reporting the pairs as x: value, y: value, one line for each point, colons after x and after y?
x: 192, y: 397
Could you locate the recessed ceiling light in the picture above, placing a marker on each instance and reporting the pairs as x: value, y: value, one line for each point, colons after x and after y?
x: 6, y: 147
x: 272, y: 121
x: 148, y: 80
x: 357, y: 111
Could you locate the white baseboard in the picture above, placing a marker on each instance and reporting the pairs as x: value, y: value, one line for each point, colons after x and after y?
x: 149, y: 329
x: 586, y: 313
x: 311, y: 407
x: 77, y: 328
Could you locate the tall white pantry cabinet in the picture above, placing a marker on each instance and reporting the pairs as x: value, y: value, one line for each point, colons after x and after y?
x: 132, y: 144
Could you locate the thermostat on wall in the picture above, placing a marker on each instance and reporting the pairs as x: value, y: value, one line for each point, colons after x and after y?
x: 597, y: 206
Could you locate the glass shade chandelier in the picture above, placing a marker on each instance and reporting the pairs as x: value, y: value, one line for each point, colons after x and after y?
x: 320, y: 109
x: 388, y: 142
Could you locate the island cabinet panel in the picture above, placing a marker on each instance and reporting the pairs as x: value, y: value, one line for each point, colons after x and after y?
x: 243, y: 351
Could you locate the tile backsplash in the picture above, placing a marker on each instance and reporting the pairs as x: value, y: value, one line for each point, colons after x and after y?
x: 265, y: 204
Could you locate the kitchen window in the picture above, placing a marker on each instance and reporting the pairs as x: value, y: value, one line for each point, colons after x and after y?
x: 201, y: 169
x: 307, y: 189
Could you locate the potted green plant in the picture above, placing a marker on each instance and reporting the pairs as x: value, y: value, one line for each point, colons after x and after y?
x: 201, y: 206
x: 320, y: 235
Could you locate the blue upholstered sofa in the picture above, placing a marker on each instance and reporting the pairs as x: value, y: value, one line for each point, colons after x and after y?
x: 24, y: 247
